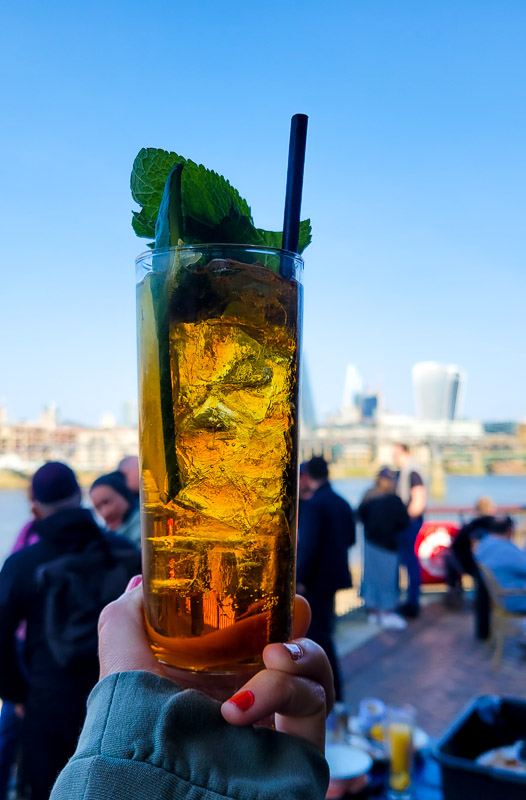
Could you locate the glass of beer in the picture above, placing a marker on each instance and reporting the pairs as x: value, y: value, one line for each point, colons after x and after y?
x: 218, y: 342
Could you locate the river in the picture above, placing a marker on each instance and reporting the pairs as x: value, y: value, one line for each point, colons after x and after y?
x: 460, y: 491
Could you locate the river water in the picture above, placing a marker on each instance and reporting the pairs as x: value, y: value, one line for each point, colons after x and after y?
x: 460, y: 491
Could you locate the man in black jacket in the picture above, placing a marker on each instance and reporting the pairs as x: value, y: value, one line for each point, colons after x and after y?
x: 57, y: 587
x: 326, y: 533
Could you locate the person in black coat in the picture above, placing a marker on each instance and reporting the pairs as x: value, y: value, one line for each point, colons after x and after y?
x: 58, y: 587
x: 325, y: 534
x: 384, y: 517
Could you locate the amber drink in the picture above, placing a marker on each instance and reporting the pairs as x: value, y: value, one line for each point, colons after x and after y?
x: 218, y: 333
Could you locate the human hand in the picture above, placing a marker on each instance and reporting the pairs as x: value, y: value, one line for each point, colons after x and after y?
x: 123, y: 645
x: 296, y: 685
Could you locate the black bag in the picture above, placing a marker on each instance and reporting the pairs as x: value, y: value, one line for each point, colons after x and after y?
x: 74, y: 589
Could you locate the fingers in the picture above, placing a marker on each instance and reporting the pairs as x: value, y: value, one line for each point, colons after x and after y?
x: 293, y: 687
x: 302, y: 616
x: 122, y: 639
x: 302, y: 657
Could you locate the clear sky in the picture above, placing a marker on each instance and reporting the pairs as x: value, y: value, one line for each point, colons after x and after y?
x: 415, y: 182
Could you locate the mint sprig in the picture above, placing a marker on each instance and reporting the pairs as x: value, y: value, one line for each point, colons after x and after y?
x: 199, y: 206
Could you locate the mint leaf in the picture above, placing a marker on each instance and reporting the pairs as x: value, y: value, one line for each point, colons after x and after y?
x: 200, y: 207
x: 142, y: 225
x: 208, y: 197
x: 273, y: 238
x: 150, y: 170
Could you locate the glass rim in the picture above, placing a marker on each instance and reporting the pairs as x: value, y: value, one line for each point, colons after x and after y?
x: 253, y: 248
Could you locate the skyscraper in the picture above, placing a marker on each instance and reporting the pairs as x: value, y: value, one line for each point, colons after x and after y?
x: 437, y: 389
x: 352, y: 389
x: 307, y: 413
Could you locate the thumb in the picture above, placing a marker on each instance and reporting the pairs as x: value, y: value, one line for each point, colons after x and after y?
x: 122, y: 639
x: 302, y: 617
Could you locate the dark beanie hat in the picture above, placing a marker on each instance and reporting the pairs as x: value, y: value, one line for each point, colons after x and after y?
x: 318, y: 468
x: 116, y: 481
x: 387, y: 473
x: 53, y: 482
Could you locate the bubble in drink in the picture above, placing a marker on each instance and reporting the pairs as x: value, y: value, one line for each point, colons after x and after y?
x: 218, y: 369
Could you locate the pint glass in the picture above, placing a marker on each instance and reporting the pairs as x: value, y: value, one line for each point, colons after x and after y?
x: 218, y: 340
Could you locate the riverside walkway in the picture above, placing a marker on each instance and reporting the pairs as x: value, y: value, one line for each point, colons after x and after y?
x: 435, y: 665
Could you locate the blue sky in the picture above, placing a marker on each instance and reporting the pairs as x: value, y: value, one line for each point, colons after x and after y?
x: 415, y: 182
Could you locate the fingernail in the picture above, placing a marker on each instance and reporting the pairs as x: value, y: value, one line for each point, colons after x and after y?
x: 295, y: 651
x: 243, y: 700
x: 135, y: 581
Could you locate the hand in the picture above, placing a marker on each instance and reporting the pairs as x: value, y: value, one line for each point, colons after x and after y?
x: 296, y: 685
x: 123, y: 644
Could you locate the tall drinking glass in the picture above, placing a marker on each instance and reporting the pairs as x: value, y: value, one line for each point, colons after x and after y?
x: 399, y: 731
x: 219, y: 340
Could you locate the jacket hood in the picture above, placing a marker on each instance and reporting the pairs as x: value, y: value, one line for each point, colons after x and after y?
x: 70, y: 529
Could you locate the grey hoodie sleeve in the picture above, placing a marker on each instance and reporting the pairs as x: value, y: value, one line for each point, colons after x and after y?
x: 146, y: 739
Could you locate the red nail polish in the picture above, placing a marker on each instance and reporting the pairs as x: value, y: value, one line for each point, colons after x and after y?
x: 243, y: 700
x: 295, y: 651
x: 135, y: 581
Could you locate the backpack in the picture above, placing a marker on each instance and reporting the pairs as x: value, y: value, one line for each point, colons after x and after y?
x: 75, y: 588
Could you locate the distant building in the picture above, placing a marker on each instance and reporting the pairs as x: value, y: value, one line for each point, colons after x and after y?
x: 369, y: 407
x: 26, y: 446
x: 353, y: 388
x: 437, y: 389
x: 107, y: 421
x: 49, y: 417
x: 505, y: 428
x: 307, y: 413
x: 351, y: 408
x: 129, y: 414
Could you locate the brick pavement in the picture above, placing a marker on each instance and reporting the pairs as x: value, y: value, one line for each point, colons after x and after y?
x: 436, y: 665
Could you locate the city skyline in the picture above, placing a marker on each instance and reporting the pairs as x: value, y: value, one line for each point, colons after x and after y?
x: 444, y: 390
x: 414, y: 183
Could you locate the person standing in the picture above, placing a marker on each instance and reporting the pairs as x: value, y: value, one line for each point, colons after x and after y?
x: 129, y: 466
x: 384, y: 516
x: 327, y: 531
x: 118, y: 505
x: 58, y: 586
x: 10, y: 714
x: 410, y: 487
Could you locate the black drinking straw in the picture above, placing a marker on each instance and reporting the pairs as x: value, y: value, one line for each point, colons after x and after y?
x: 291, y: 222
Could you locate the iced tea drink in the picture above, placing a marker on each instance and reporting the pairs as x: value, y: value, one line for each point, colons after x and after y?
x: 218, y: 334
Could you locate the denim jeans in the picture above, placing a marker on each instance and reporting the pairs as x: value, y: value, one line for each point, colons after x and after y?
x: 408, y: 557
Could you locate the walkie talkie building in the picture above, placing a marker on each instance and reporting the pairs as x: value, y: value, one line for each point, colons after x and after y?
x: 438, y: 390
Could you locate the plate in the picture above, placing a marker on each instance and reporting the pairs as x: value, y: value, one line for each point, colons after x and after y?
x: 346, y: 761
x: 505, y: 758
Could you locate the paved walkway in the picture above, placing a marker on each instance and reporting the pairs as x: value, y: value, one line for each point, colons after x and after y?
x: 436, y: 665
